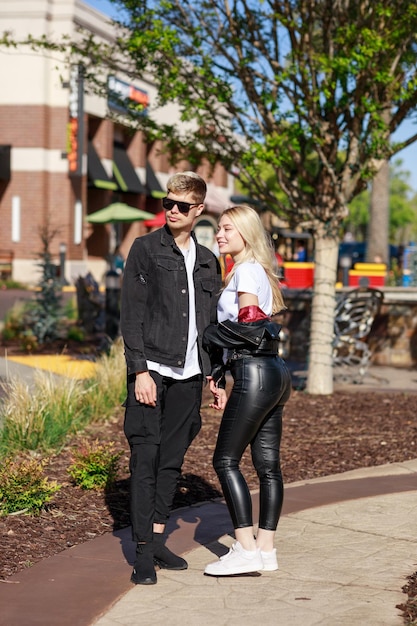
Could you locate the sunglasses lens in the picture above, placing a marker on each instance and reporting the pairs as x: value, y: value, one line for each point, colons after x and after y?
x: 183, y: 207
x: 167, y: 203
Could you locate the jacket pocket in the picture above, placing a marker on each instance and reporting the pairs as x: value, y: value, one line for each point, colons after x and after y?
x: 208, y: 285
x: 168, y: 271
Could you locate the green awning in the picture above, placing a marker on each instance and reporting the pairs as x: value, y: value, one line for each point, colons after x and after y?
x: 118, y: 212
x: 124, y: 172
x: 97, y: 175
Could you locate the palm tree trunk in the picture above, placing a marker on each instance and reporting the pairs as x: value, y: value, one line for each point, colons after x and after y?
x: 377, y: 248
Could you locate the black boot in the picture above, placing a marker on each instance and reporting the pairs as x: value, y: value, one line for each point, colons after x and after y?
x: 163, y: 556
x: 144, y: 569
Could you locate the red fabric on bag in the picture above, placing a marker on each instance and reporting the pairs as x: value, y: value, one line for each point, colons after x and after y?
x: 251, y: 313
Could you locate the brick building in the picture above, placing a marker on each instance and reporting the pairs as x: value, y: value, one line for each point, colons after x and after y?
x: 62, y: 158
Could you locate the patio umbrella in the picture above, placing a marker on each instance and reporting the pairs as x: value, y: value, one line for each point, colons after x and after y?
x: 118, y: 212
x: 158, y: 220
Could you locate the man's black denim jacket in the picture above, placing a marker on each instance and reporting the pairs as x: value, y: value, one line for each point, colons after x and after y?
x: 154, y: 303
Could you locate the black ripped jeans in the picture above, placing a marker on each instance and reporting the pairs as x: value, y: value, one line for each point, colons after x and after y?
x: 253, y: 415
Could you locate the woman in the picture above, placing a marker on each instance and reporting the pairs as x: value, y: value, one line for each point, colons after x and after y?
x: 262, y: 385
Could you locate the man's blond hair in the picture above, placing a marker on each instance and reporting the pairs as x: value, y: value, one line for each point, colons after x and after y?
x: 188, y: 182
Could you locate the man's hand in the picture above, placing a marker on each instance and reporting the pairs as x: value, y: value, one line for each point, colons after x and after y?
x: 145, y: 389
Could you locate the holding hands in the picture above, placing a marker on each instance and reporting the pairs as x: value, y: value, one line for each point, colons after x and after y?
x: 219, y: 395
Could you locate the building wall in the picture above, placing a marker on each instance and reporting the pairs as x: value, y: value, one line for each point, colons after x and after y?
x: 34, y: 115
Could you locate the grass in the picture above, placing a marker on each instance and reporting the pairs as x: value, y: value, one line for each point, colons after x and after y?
x: 41, y: 416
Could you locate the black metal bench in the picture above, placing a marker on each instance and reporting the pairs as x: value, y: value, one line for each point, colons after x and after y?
x: 354, y: 315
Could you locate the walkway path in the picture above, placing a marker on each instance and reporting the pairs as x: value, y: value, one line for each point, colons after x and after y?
x: 345, y: 544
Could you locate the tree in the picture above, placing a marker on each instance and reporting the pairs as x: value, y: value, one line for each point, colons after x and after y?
x: 402, y: 210
x: 44, y: 316
x: 306, y: 85
x: 314, y: 88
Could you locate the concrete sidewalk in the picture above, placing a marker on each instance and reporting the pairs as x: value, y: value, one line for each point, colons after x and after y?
x: 340, y: 564
x: 345, y: 544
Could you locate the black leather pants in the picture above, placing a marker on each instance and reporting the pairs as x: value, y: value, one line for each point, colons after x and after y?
x: 253, y: 415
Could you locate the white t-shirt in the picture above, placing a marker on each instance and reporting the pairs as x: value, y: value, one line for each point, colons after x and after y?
x: 249, y: 277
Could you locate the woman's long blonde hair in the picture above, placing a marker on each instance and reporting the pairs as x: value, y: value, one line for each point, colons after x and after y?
x: 258, y: 247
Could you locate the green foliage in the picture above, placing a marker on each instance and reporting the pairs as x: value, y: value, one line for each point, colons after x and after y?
x: 70, y: 309
x: 14, y: 321
x: 44, y: 318
x: 9, y: 283
x: 94, y: 465
x: 305, y: 85
x: 28, y: 341
x: 17, y: 326
x: 23, y: 486
x: 395, y: 274
x: 358, y: 219
x: 403, y: 209
x: 76, y: 333
x: 43, y: 415
x: 302, y: 87
x: 39, y: 321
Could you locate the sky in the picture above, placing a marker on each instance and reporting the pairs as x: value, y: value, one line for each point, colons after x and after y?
x: 408, y: 155
x: 106, y: 7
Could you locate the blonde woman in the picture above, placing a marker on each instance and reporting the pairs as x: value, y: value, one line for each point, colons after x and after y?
x: 248, y: 339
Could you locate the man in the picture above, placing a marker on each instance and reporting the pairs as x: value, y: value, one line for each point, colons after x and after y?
x: 169, y: 295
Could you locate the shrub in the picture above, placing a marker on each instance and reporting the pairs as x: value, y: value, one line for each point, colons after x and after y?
x: 14, y: 321
x: 94, y: 465
x: 28, y: 341
x: 76, y: 333
x: 16, y: 326
x: 23, y: 486
x: 9, y: 283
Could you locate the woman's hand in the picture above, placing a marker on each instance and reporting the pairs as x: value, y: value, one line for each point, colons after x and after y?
x: 219, y: 396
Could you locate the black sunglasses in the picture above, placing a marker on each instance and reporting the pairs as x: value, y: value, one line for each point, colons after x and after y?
x: 183, y: 207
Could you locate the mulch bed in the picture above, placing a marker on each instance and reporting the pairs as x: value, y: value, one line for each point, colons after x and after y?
x: 323, y: 435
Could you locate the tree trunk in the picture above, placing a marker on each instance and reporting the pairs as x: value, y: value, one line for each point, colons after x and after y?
x: 377, y: 248
x: 320, y: 367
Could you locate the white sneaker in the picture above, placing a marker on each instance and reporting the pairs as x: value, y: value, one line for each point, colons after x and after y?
x: 236, y: 561
x: 269, y: 560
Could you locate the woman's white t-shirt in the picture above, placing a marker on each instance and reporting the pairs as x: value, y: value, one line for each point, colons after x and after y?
x: 249, y: 277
